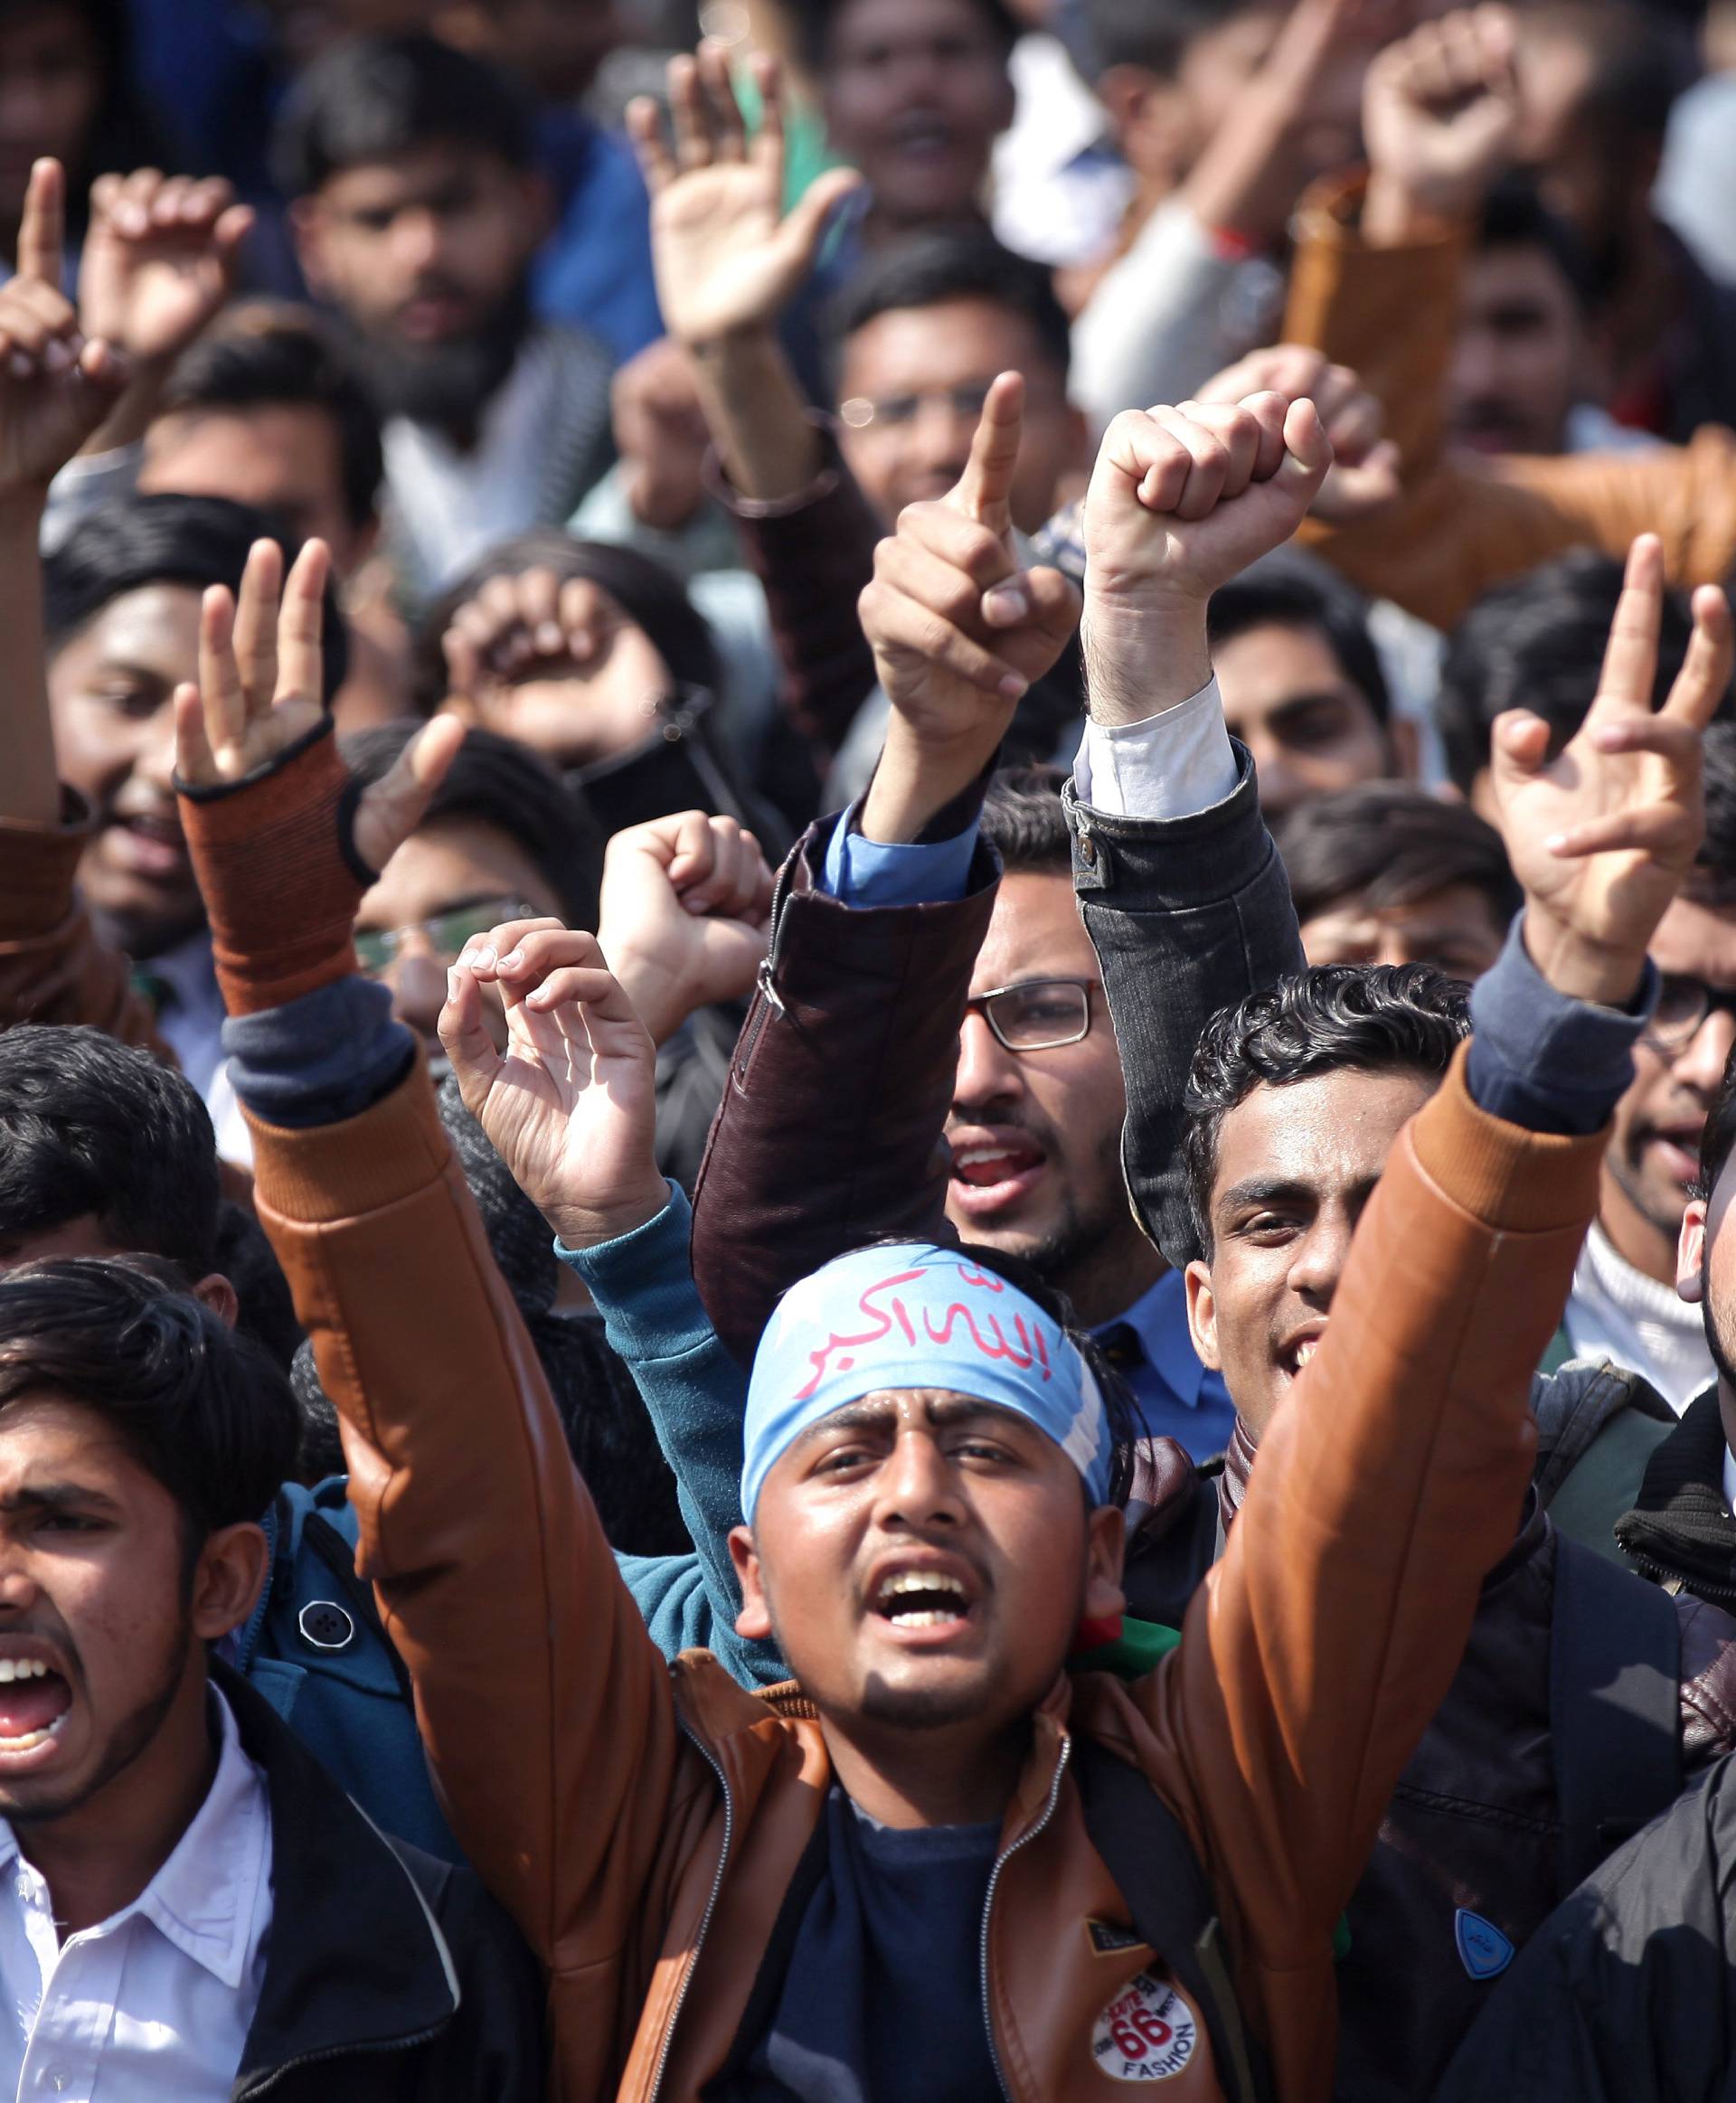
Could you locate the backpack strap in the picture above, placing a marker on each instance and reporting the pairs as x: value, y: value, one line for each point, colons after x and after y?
x: 1614, y: 1705
x: 1149, y: 1855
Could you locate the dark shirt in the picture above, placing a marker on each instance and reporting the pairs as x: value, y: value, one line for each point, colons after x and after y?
x: 882, y: 1997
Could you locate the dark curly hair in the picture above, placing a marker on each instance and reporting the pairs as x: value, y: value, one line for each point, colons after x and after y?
x: 1374, y: 1017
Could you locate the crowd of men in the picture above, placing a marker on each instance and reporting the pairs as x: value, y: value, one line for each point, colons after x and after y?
x: 867, y: 1050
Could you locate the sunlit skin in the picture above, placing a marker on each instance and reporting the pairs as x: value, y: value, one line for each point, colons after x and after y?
x: 1519, y: 357
x: 1311, y: 731
x: 926, y: 1725
x: 915, y: 93
x: 425, y: 248
x: 1455, y: 928
x: 108, y: 691
x: 91, y: 1583
x: 1048, y: 1123
x: 282, y: 457
x: 1654, y: 1152
x: 1296, y: 1166
x: 927, y: 351
x: 452, y: 863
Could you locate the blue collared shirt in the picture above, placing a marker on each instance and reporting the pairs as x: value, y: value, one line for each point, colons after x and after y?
x: 1179, y: 1398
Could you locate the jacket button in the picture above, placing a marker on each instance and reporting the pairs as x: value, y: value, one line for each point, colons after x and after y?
x: 326, y: 1625
x: 1087, y: 849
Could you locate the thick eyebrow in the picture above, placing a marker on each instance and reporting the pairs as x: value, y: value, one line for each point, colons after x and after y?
x: 58, y: 1497
x: 944, y: 1414
x: 1296, y: 704
x: 1264, y: 1190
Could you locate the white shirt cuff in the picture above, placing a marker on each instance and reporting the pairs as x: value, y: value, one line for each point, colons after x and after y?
x: 1166, y: 766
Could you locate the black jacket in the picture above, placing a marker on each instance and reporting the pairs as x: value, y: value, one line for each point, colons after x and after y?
x: 389, y: 1977
x: 1680, y: 1531
x: 1627, y: 1991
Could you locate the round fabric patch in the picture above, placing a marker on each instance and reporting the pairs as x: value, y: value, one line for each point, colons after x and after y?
x: 1147, y: 2033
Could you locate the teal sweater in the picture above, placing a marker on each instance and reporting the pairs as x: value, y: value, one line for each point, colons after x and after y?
x: 643, y: 1286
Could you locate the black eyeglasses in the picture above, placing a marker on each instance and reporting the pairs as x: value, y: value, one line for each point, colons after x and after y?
x: 1038, y: 1015
x: 1682, y: 1006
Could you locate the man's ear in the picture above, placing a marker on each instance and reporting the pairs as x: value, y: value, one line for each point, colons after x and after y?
x: 1106, y: 1543
x: 1691, y: 1250
x: 1203, y: 1314
x: 307, y: 221
x: 215, y: 1292
x: 228, y: 1577
x: 753, y: 1623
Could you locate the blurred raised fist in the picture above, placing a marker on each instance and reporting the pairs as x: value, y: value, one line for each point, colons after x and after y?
x: 661, y: 436
x: 1440, y: 110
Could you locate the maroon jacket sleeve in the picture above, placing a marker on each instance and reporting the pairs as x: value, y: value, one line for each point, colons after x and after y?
x: 830, y: 1130
x: 814, y: 554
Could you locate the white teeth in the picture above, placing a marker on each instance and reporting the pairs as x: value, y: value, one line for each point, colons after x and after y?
x: 919, y: 1580
x: 1304, y: 1353
x: 969, y: 1157
x: 21, y: 1669
x: 928, y: 1617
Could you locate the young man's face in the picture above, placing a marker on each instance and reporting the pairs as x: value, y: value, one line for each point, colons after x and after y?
x: 282, y: 457
x: 1310, y: 729
x: 1455, y: 928
x: 94, y: 1588
x: 426, y: 251
x: 1654, y: 1152
x: 1519, y: 357
x: 50, y: 89
x: 925, y: 1483
x: 1036, y: 1135
x: 110, y: 690
x: 450, y: 880
x: 910, y: 387
x: 1295, y: 1167
x: 915, y: 93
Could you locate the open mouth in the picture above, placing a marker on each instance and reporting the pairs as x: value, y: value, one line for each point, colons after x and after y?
x: 34, y: 1703
x: 153, y: 846
x: 924, y: 1603
x: 1297, y: 1354
x: 992, y: 1173
x: 1678, y: 1148
x: 922, y: 136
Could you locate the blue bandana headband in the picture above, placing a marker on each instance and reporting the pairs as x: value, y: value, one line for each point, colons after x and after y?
x: 909, y: 1314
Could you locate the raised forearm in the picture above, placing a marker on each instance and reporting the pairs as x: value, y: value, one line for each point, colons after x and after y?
x: 757, y: 416
x: 29, y: 781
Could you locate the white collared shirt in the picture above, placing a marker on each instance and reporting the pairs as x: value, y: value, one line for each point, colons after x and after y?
x: 154, y: 2005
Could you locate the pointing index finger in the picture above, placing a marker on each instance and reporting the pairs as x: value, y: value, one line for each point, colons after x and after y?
x: 985, y: 490
x: 41, y: 230
x: 1630, y: 659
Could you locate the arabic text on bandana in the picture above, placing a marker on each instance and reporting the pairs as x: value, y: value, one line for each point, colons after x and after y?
x: 908, y: 1314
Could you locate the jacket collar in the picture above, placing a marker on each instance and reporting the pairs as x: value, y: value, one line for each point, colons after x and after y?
x: 355, y: 1960
x: 1680, y: 1526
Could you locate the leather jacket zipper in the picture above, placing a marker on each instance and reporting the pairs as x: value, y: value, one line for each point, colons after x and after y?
x: 264, y: 2082
x: 705, y: 1753
x: 768, y: 997
x: 1023, y: 1840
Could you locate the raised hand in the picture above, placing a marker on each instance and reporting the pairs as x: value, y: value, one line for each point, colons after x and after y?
x: 556, y: 663
x: 1181, y: 501
x: 959, y: 631
x: 261, y: 691
x: 728, y: 258
x: 1364, y: 478
x: 1440, y: 110
x: 1601, y: 837
x: 684, y: 916
x: 56, y: 383
x: 570, y: 1105
x: 160, y: 259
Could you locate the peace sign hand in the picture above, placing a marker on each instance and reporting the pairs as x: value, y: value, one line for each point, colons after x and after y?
x: 261, y: 691
x: 1601, y: 837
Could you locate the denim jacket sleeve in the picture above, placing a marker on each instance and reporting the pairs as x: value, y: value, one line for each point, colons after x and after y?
x: 695, y: 1392
x: 1188, y: 915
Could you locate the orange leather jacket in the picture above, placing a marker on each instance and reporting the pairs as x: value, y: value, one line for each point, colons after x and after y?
x: 1465, y: 524
x: 643, y: 1821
